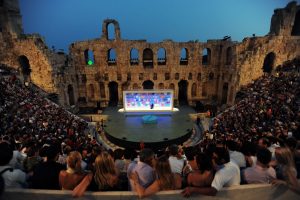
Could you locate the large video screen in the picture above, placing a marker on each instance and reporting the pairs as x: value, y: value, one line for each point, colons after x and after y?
x: 148, y: 100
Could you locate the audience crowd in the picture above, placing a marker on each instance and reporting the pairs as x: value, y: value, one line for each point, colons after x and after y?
x: 256, y: 141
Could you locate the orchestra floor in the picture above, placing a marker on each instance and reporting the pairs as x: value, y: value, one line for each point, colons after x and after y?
x: 130, y: 127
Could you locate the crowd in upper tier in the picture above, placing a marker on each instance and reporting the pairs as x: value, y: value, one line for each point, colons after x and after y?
x: 256, y: 141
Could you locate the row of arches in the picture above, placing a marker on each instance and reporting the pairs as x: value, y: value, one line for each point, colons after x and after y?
x: 148, y: 57
x: 268, y: 66
x: 148, y: 84
x: 114, y: 96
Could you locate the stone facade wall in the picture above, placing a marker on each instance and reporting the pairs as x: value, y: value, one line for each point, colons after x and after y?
x: 43, y: 62
x: 104, y: 72
x: 231, y: 64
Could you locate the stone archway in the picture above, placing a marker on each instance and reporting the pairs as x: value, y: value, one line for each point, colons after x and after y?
x: 182, y: 94
x: 113, y: 93
x: 71, y: 95
x: 224, y: 93
x: 269, y: 62
x: 25, y: 67
x: 148, y: 85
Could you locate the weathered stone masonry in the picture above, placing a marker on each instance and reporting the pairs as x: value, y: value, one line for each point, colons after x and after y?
x: 211, y: 71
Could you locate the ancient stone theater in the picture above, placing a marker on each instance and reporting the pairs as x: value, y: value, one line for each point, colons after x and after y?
x: 95, y: 72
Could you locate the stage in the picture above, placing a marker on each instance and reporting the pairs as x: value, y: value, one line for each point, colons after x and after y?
x: 129, y: 127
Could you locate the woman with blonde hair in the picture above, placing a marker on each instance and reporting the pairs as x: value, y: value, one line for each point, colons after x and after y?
x: 70, y: 178
x: 166, y: 180
x: 285, y: 169
x: 105, y: 174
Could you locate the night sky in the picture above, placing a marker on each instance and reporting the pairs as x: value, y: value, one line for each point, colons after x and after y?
x: 62, y: 22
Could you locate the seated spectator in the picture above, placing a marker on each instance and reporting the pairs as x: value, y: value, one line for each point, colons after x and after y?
x: 105, y: 174
x: 121, y: 167
x: 249, y: 150
x: 70, y: 178
x: 285, y: 169
x: 119, y: 160
x: 235, y: 155
x: 46, y: 174
x: 166, y: 180
x: 144, y: 169
x: 190, y: 153
x: 291, y: 142
x: 261, y: 172
x: 204, y: 175
x: 177, y: 161
x: 13, y: 178
x: 228, y: 174
x: 32, y: 159
x: 131, y: 160
x: 130, y: 156
x: 62, y: 158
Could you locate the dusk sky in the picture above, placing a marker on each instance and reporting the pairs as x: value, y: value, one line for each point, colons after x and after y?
x: 62, y: 22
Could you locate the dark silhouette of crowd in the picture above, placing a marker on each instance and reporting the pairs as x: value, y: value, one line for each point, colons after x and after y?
x: 255, y: 141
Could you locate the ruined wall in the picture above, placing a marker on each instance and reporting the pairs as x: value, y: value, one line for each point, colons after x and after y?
x: 283, y: 20
x: 14, y: 44
x: 97, y: 71
x: 231, y: 64
x: 165, y: 73
x: 252, y: 52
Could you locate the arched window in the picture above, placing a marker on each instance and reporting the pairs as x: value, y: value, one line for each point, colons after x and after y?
x: 135, y: 86
x: 111, y: 35
x: 111, y: 29
x: 119, y: 77
x: 92, y: 91
x: 177, y: 76
x: 190, y: 76
x: 161, y: 56
x: 148, y: 58
x: 194, y: 90
x: 204, y: 89
x: 229, y: 56
x: 128, y: 76
x: 184, y: 56
x: 161, y: 86
x: 224, y: 93
x: 167, y: 76
x: 154, y: 76
x: 206, y: 56
x: 134, y: 56
x: 102, y: 90
x: 71, y: 95
x: 89, y: 57
x: 172, y: 86
x: 296, y: 27
x: 111, y: 57
x: 199, y: 77
x: 125, y: 86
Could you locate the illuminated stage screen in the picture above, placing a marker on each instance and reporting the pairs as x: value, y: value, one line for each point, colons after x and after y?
x: 148, y: 100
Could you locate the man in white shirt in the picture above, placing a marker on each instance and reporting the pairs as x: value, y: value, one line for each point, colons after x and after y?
x: 228, y: 174
x: 177, y: 161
